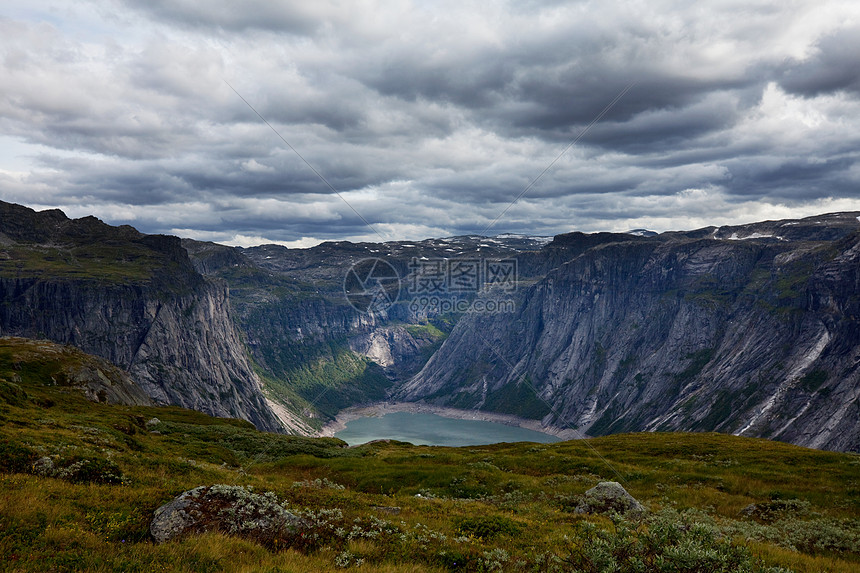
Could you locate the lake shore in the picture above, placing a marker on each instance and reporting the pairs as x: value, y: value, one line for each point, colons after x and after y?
x: 383, y: 408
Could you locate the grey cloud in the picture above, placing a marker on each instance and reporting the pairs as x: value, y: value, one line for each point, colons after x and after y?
x: 428, y: 117
x: 794, y: 178
x: 274, y: 15
x: 834, y: 67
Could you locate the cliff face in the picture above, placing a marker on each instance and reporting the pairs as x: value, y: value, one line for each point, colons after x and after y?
x: 752, y: 330
x: 132, y: 299
x: 699, y: 331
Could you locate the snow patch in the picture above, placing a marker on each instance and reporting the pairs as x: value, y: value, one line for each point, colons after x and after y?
x: 735, y: 237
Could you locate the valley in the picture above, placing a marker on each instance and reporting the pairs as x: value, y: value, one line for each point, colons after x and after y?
x: 750, y: 330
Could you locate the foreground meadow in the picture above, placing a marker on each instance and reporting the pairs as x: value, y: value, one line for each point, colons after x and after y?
x: 398, y: 507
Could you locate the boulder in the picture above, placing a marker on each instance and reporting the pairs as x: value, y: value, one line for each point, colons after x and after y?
x: 234, y: 510
x: 610, y: 497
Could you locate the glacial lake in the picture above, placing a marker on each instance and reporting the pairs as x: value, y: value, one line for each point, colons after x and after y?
x: 433, y: 430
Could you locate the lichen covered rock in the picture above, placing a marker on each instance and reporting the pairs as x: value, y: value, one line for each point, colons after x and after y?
x: 610, y: 497
x: 234, y: 510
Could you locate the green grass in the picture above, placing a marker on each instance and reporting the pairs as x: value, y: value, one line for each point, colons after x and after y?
x: 504, y: 507
x: 425, y: 330
x: 107, y: 261
x: 519, y: 399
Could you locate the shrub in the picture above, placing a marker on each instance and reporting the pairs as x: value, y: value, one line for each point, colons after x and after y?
x: 770, y: 511
x: 90, y: 470
x: 15, y: 458
x: 487, y: 527
x: 813, y: 536
x: 668, y: 542
x: 318, y: 483
x: 79, y: 469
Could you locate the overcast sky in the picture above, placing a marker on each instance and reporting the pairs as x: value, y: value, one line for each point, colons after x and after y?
x: 428, y: 118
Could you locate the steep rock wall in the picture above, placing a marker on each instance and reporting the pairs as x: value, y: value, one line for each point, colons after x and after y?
x: 759, y: 338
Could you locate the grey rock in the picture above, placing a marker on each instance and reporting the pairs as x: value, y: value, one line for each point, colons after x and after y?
x: 233, y: 510
x: 610, y: 497
x: 693, y: 331
x: 174, y: 518
x: 749, y: 510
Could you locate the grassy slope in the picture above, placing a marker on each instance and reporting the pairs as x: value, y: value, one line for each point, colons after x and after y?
x: 53, y: 524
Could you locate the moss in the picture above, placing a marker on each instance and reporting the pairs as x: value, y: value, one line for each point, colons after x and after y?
x: 724, y: 405
x: 487, y: 527
x: 698, y: 361
x: 16, y: 458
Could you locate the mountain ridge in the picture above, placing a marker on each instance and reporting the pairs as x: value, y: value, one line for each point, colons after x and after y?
x: 132, y: 299
x: 749, y: 329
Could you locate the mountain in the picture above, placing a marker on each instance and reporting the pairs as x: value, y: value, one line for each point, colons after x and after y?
x: 752, y: 330
x: 132, y: 299
x: 749, y: 329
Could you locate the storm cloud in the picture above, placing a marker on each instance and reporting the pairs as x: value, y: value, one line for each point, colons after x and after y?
x: 428, y: 118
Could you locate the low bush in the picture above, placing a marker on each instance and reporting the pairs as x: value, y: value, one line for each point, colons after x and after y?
x: 79, y: 469
x: 487, y: 527
x: 15, y: 458
x: 668, y: 542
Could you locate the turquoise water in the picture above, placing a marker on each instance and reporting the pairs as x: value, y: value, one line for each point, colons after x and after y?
x: 433, y: 430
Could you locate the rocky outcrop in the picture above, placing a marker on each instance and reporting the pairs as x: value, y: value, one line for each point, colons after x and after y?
x: 733, y: 330
x: 181, y: 348
x: 229, y: 509
x: 401, y: 350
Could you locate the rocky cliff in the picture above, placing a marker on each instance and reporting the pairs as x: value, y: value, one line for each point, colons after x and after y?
x: 132, y: 299
x: 753, y: 330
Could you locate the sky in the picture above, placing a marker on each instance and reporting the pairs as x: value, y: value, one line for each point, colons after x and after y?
x: 299, y: 122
